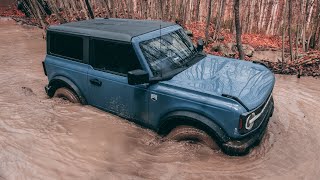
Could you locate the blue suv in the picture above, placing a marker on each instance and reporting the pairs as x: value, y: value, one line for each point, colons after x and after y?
x: 151, y: 73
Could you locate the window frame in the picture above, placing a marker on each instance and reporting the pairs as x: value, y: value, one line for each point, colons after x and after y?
x: 92, y: 55
x: 84, y: 45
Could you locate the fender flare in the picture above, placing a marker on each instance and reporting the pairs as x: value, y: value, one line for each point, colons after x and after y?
x: 61, y: 81
x: 194, y: 119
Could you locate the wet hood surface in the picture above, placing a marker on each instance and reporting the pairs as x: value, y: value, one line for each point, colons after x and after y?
x: 251, y: 83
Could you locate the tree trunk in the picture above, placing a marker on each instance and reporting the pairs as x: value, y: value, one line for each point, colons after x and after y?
x: 309, y: 13
x: 208, y: 22
x: 161, y: 10
x: 303, y: 28
x: 197, y: 9
x: 289, y: 31
x: 219, y: 17
x: 89, y: 9
x: 37, y: 9
x: 238, y: 28
x: 318, y: 24
x: 270, y: 29
x: 283, y: 30
x: 252, y: 15
x: 145, y: 9
x: 173, y: 11
x: 186, y: 11
x: 297, y: 45
x: 261, y: 12
x: 300, y: 19
x: 264, y: 15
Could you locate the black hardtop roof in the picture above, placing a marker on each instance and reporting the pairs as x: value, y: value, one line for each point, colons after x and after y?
x: 116, y: 29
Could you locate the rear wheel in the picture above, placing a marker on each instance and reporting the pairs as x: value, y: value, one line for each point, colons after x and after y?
x: 191, y: 134
x: 66, y: 94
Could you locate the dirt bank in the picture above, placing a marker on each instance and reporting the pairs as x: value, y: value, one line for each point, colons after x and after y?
x: 42, y: 138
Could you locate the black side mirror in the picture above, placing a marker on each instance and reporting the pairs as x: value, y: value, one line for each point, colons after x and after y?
x: 200, y: 44
x: 138, y: 76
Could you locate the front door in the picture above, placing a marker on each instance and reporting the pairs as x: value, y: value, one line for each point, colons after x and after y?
x: 108, y: 83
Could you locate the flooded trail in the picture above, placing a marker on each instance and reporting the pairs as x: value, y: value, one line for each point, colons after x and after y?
x: 43, y: 138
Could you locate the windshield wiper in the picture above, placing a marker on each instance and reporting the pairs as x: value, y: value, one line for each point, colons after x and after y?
x: 168, y: 76
x: 196, y: 57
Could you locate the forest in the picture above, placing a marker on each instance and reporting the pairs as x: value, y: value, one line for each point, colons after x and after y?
x: 289, y: 26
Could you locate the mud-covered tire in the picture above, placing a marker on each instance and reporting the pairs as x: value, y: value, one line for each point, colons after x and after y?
x: 66, y: 94
x: 189, y: 133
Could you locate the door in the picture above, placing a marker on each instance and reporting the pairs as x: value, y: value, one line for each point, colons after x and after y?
x: 108, y: 83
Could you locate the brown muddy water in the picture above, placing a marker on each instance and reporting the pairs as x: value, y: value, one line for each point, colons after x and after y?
x: 43, y: 138
x: 6, y: 3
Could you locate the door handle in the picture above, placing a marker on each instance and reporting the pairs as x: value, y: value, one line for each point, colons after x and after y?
x: 96, y: 82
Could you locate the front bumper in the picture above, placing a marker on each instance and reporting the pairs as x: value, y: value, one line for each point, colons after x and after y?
x: 243, y: 146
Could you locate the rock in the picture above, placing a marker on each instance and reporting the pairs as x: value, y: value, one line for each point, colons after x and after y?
x: 216, y: 47
x: 27, y: 91
x: 230, y: 49
x: 248, y: 50
x: 220, y: 38
x: 272, y: 56
x: 232, y: 46
x: 226, y: 50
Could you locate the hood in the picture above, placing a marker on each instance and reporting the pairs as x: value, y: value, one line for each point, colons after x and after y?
x: 249, y: 82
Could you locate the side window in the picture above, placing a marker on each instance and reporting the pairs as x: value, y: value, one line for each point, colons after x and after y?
x: 67, y: 46
x: 115, y: 57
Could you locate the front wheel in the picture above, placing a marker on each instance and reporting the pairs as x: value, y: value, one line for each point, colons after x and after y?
x: 189, y: 133
x: 66, y: 94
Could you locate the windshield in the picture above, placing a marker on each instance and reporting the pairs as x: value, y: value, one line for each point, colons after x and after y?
x: 168, y: 52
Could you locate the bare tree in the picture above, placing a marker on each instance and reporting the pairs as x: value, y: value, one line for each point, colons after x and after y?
x: 318, y: 24
x: 218, y: 19
x: 197, y: 10
x: 289, y: 30
x: 300, y: 19
x: 283, y: 29
x: 89, y: 9
x: 238, y: 27
x: 208, y: 22
x: 272, y: 20
x: 251, y: 15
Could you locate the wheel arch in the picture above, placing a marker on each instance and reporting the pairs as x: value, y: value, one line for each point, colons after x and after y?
x: 61, y: 81
x: 176, y: 118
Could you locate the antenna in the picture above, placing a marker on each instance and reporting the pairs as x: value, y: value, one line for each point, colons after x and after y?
x: 160, y: 32
x: 160, y: 23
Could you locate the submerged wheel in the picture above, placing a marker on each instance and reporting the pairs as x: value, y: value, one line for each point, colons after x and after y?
x: 189, y: 133
x: 66, y: 94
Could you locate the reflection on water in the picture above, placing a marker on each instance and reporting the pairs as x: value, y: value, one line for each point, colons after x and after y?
x: 43, y: 138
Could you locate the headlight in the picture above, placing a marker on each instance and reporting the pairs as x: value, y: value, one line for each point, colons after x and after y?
x: 249, y: 121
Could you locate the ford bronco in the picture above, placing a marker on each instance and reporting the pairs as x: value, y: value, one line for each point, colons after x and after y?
x: 151, y: 73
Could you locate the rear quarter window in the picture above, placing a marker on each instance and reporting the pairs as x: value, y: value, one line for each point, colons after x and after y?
x: 68, y: 46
